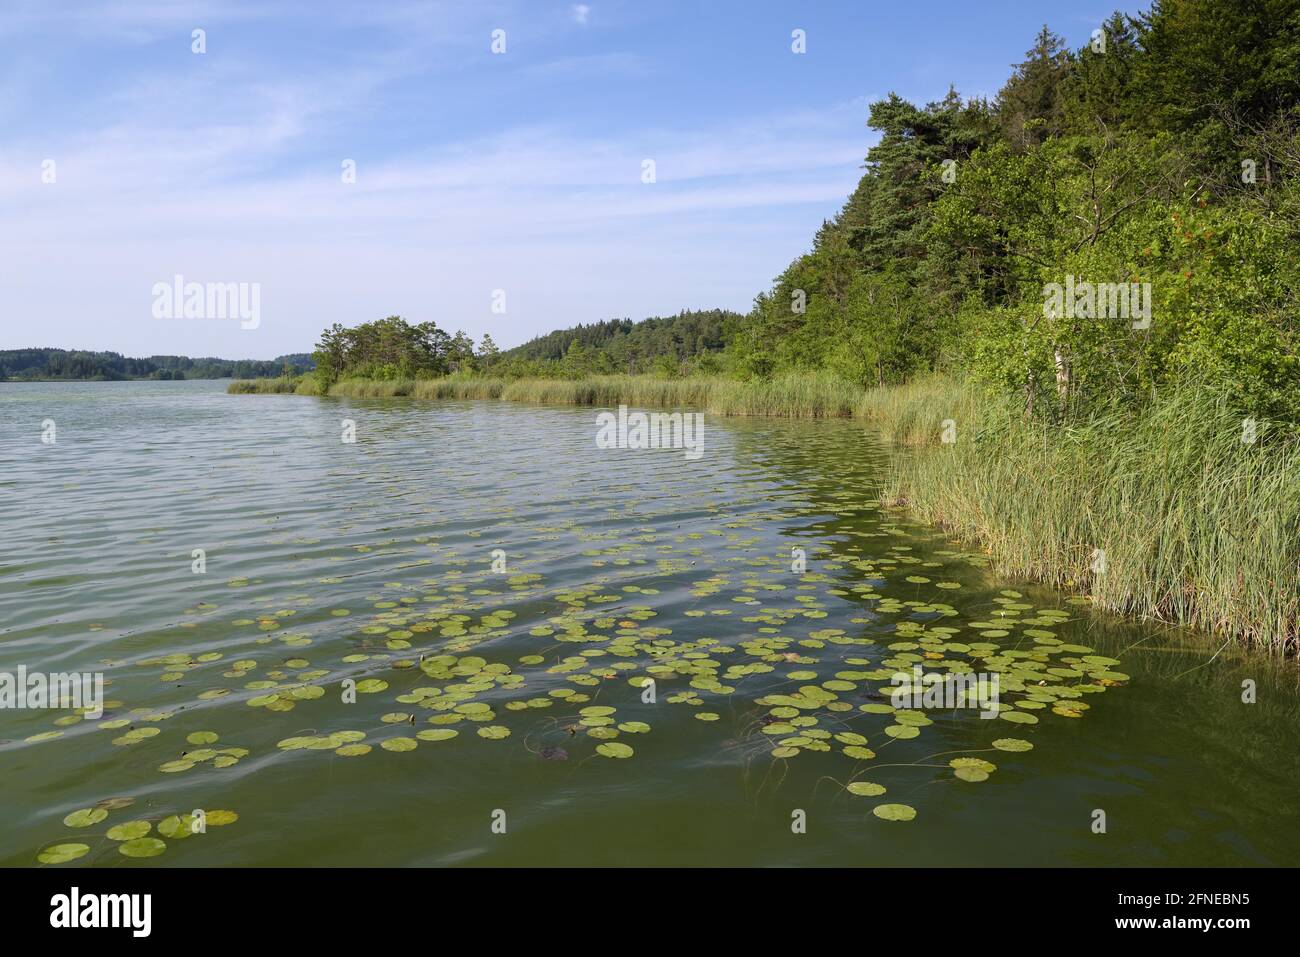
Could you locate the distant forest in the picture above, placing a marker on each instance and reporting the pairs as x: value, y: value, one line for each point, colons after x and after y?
x: 621, y: 345
x: 45, y: 364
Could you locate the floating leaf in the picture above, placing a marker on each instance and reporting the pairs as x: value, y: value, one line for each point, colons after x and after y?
x: 142, y: 847
x: 894, y: 812
x: 902, y: 731
x: 129, y: 831
x: 436, y: 734
x: 86, y: 817
x: 614, y: 749
x: 62, y: 853
x: 176, y: 827
x: 866, y: 789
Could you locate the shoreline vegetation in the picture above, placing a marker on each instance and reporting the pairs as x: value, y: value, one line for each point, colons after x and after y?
x: 1162, y: 513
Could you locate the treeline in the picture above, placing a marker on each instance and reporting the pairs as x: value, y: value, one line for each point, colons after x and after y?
x: 46, y: 364
x: 1120, y: 216
x: 392, y: 348
x: 660, y: 345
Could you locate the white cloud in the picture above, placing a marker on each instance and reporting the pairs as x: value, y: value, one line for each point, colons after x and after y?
x: 581, y: 12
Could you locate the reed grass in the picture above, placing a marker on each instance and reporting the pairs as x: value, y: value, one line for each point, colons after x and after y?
x: 1165, y: 514
x: 796, y: 396
x: 283, y: 385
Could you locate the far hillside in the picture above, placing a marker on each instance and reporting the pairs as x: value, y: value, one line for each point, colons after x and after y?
x: 45, y: 364
x: 660, y: 344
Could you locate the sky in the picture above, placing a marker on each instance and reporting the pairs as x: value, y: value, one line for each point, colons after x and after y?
x: 502, y: 192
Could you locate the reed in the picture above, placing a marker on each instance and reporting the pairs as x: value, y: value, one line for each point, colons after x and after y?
x: 1164, y: 513
x: 283, y: 385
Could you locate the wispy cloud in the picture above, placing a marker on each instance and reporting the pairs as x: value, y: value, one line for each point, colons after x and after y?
x: 229, y: 168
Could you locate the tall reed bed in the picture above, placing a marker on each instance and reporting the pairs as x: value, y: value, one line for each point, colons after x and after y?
x: 1164, y: 513
x: 797, y: 396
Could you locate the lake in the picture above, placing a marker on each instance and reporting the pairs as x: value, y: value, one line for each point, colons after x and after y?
x: 432, y: 645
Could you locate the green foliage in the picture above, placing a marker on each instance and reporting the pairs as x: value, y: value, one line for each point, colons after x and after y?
x: 1116, y: 164
x: 620, y: 345
x: 389, y: 348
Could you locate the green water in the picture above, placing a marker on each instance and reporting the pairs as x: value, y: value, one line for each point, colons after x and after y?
x: 328, y: 561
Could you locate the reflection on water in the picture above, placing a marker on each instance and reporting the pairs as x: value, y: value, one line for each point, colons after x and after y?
x: 435, y: 645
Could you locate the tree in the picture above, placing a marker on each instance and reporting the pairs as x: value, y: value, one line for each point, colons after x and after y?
x: 488, y: 351
x: 1030, y: 105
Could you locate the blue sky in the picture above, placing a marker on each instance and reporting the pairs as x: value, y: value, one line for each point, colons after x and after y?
x: 475, y: 171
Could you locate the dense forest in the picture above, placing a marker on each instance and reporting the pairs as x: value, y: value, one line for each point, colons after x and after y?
x: 45, y: 364
x: 1164, y: 152
x: 659, y: 344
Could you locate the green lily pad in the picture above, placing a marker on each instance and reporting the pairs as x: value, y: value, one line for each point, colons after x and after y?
x: 129, y: 831
x: 436, y: 734
x: 177, y: 827
x: 866, y: 789
x: 62, y: 853
x: 614, y: 749
x: 142, y: 847
x: 86, y: 817
x: 894, y: 812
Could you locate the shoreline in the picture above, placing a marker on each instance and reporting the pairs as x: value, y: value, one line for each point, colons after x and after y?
x: 1163, y: 513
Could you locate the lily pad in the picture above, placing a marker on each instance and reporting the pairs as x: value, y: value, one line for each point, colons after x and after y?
x: 129, y: 831
x: 142, y: 847
x: 866, y: 789
x: 62, y: 853
x: 86, y: 817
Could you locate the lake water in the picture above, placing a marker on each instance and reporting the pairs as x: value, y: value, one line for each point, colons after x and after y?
x: 483, y: 568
